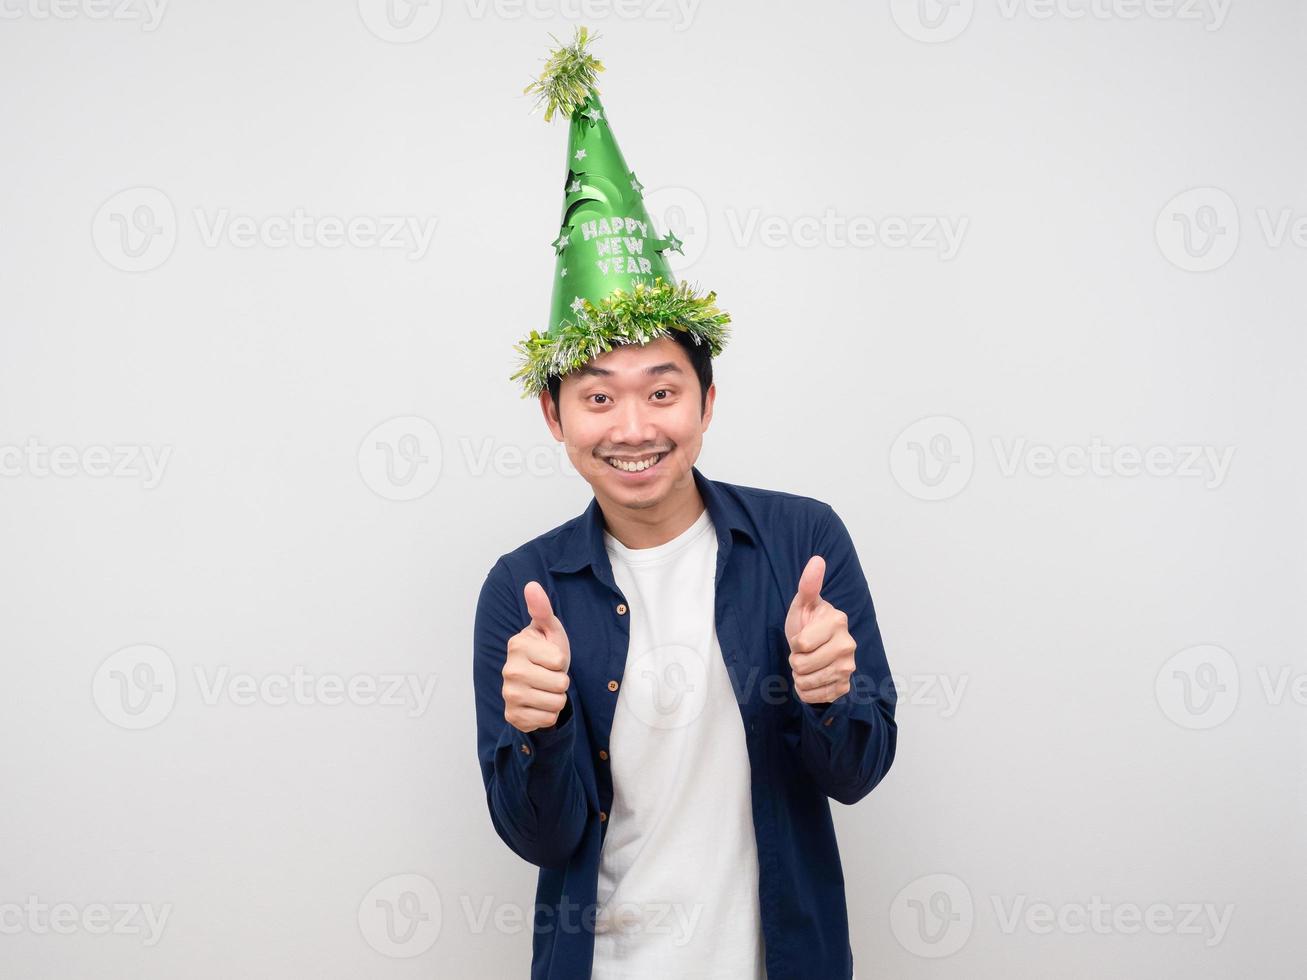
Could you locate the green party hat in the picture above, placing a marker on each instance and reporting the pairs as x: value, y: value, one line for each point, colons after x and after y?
x: 612, y: 283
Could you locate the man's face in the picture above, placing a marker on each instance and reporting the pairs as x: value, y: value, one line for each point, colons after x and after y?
x: 633, y: 405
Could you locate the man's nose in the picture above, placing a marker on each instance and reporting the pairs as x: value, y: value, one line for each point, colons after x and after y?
x: 632, y: 426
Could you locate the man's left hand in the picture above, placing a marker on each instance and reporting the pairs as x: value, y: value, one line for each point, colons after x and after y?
x: 821, y: 647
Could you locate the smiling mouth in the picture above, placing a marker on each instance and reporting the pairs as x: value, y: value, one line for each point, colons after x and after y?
x: 637, y: 465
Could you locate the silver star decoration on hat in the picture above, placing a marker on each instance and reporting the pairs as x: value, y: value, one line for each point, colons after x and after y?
x: 574, y: 186
x: 635, y: 184
x: 578, y: 305
x: 673, y: 243
x: 580, y: 154
x: 593, y: 114
x: 560, y: 242
x: 563, y: 274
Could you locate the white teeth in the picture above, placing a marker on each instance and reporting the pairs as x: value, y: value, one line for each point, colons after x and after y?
x: 635, y: 467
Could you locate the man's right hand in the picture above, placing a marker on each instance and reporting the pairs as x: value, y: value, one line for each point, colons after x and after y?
x: 535, y: 672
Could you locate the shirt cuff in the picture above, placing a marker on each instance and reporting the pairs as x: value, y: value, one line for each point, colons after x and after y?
x: 829, y: 720
x: 547, y: 747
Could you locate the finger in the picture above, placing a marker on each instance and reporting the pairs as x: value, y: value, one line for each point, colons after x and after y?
x: 541, y: 700
x: 546, y: 655
x: 813, y: 678
x: 545, y: 678
x: 537, y: 604
x: 819, y: 631
x: 529, y: 719
x: 807, y: 664
x: 809, y: 592
x: 817, y: 679
x: 822, y: 695
x: 831, y: 651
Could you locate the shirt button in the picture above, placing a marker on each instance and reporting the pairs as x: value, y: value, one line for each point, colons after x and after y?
x: 621, y: 609
x: 526, y: 750
x: 602, y: 816
x: 612, y: 685
x: 602, y: 754
x: 828, y: 721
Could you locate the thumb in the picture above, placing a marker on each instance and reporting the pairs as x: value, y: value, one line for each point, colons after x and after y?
x: 809, y: 593
x: 537, y: 604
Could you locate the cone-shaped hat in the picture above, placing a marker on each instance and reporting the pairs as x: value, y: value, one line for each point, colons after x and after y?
x: 612, y: 284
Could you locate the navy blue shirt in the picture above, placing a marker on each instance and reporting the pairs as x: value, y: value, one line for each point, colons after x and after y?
x: 547, y: 790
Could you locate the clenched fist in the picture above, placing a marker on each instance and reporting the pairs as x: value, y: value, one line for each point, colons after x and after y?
x: 535, y: 673
x: 821, y: 647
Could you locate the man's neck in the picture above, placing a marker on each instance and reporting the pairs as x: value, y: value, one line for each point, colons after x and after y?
x: 649, y: 527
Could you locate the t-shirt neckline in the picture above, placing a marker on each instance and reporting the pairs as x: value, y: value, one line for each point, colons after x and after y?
x: 659, y: 552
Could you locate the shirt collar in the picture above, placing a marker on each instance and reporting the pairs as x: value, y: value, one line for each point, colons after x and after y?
x: 584, y: 543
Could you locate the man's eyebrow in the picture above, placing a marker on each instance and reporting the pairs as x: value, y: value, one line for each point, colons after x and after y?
x: 598, y: 372
x: 668, y: 368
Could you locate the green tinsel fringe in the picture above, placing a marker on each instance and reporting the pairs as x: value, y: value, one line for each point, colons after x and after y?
x: 570, y: 73
x: 638, y: 317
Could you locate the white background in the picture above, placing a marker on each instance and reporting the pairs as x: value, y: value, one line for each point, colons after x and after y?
x: 1128, y: 180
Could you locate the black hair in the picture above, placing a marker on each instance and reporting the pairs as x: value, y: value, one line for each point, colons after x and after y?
x: 700, y: 360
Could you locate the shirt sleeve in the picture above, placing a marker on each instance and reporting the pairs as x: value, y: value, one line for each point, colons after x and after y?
x: 848, y: 745
x: 535, y: 796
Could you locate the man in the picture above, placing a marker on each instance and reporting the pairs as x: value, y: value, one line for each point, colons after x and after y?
x: 671, y: 686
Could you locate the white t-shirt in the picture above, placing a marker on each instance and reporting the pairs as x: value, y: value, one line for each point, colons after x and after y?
x: 678, y: 872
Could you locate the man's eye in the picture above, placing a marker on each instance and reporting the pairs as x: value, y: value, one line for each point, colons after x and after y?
x: 662, y: 391
x: 598, y: 396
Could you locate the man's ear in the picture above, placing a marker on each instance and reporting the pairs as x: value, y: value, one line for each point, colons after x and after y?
x: 552, y: 417
x: 709, y: 397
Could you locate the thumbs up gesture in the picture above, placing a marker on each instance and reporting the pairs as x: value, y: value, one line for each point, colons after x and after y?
x: 535, y: 671
x: 821, y: 647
